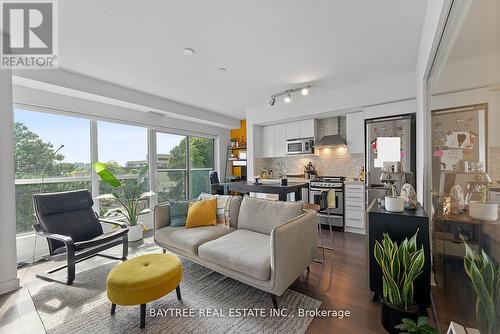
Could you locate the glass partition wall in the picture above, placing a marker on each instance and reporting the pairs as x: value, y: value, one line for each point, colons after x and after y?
x: 53, y: 153
x: 465, y: 137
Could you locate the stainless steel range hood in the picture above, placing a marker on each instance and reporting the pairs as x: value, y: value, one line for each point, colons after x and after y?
x: 330, y: 140
x: 329, y: 133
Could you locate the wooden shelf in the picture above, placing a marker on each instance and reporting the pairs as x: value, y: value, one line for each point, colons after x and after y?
x: 237, y: 148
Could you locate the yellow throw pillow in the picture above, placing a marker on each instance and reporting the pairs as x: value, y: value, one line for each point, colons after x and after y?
x: 202, y: 213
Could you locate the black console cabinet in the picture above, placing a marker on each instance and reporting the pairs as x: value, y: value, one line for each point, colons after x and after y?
x: 400, y: 226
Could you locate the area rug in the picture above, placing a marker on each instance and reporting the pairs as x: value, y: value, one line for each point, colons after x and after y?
x: 211, y: 303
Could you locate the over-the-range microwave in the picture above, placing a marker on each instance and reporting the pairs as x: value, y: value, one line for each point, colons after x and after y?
x: 300, y: 146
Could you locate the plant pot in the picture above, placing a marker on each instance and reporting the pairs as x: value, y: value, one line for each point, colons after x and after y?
x: 394, y: 204
x: 483, y: 211
x: 391, y: 317
x: 135, y: 233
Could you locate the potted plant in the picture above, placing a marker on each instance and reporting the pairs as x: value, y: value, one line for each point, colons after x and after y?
x: 485, y: 278
x: 131, y: 199
x: 420, y: 327
x: 401, y: 265
x: 394, y: 203
x: 483, y: 210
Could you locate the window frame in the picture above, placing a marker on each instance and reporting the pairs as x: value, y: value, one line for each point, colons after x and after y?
x: 93, y: 133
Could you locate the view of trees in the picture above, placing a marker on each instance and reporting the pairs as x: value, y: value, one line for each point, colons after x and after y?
x: 32, y: 153
x: 172, y: 173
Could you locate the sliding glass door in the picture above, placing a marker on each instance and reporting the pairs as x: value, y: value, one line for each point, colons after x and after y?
x: 183, y: 166
x: 171, y: 166
x: 201, y: 162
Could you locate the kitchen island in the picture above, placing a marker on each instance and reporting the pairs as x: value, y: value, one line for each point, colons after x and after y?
x: 266, y: 188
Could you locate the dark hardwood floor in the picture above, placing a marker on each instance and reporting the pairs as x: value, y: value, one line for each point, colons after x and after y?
x: 341, y: 283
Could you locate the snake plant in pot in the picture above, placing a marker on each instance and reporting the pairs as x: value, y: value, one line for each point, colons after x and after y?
x: 484, y: 276
x: 401, y: 265
x: 130, y: 197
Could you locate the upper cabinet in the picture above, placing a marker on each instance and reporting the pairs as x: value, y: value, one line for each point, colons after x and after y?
x: 274, y: 137
x: 355, y: 129
x: 280, y: 140
x: 292, y: 130
x: 307, y: 128
x: 301, y: 129
x: 267, y: 148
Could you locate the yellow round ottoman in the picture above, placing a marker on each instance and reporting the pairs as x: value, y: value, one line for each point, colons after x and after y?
x: 143, y: 279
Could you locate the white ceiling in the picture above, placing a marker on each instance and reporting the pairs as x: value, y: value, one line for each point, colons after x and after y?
x: 266, y: 46
x: 483, y: 16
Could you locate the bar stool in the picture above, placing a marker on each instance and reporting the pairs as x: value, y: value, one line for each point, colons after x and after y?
x: 320, y: 207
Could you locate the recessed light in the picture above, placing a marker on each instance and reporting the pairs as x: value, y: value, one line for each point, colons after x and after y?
x: 304, y: 91
x: 288, y: 98
x: 188, y: 51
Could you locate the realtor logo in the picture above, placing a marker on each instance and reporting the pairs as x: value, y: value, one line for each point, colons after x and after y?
x: 29, y: 38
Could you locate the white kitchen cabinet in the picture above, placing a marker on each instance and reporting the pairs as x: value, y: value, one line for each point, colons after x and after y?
x: 354, y: 213
x: 355, y: 129
x: 307, y: 128
x: 274, y: 137
x: 280, y: 140
x: 301, y: 129
x: 292, y: 130
x: 267, y: 141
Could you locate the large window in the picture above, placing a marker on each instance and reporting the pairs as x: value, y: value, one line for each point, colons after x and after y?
x: 55, y: 150
x: 38, y: 137
x: 123, y: 148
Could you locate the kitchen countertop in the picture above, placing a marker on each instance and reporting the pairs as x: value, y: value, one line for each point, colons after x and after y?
x: 290, y: 179
x: 379, y: 209
x: 273, y: 187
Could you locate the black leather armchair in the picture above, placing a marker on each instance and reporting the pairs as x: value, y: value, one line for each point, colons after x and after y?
x: 70, y: 225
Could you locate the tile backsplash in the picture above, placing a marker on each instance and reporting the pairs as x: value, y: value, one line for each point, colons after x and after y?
x: 331, y: 161
x: 494, y: 163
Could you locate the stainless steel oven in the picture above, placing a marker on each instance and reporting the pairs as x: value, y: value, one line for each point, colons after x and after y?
x: 300, y: 146
x: 333, y: 215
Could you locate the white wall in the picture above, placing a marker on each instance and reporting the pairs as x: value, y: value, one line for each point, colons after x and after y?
x: 390, y: 109
x: 8, y: 272
x: 480, y: 71
x: 393, y: 94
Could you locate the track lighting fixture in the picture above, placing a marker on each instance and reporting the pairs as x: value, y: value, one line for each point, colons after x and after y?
x: 304, y: 90
x: 287, y: 98
x: 272, y: 101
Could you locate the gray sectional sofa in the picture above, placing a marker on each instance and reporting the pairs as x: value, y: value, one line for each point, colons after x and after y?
x: 269, y: 243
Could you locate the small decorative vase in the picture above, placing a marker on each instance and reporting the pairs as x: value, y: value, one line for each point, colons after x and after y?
x: 483, y: 211
x: 136, y: 232
x: 409, y: 196
x: 457, y: 199
x: 394, y: 204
